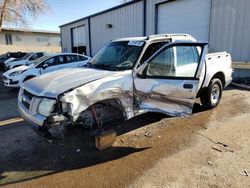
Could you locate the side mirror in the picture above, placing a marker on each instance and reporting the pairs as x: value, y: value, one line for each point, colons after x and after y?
x: 141, y: 71
x: 143, y: 74
x: 45, y: 66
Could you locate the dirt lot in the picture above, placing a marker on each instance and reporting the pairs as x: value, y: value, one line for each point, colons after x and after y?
x: 209, y: 149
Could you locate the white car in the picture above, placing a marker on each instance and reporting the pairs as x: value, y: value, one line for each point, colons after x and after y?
x: 128, y: 77
x: 26, y: 60
x: 9, y: 60
x: 15, y: 77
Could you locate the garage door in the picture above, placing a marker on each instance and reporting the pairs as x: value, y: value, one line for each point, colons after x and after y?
x: 184, y: 16
x: 79, y: 40
x: 79, y: 36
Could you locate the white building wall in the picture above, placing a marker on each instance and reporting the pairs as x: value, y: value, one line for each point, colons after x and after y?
x: 66, y: 35
x: 126, y: 22
x: 230, y: 28
x: 30, y: 41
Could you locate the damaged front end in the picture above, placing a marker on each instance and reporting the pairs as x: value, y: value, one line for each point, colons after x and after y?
x: 90, y: 106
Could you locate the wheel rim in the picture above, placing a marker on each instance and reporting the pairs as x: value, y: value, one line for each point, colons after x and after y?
x: 215, y: 94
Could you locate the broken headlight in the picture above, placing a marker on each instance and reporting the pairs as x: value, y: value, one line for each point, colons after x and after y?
x: 46, y: 106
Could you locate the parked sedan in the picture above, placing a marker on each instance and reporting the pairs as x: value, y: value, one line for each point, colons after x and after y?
x: 26, y: 60
x: 16, y: 76
x: 10, y: 56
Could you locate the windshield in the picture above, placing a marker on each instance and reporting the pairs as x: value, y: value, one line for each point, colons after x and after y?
x: 26, y: 56
x: 120, y: 55
x: 39, y: 60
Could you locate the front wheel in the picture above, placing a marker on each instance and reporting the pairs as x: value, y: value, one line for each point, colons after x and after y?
x: 212, y: 95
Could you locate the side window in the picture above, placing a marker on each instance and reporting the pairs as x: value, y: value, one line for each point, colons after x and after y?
x: 33, y: 57
x: 184, y: 64
x: 163, y: 64
x: 187, y: 61
x: 71, y: 58
x: 151, y: 49
x: 39, y: 55
x: 55, y: 61
x: 82, y: 58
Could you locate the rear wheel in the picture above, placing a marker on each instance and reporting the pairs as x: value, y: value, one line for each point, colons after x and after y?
x: 210, y: 98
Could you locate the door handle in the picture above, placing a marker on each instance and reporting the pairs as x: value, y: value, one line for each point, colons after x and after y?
x: 188, y: 86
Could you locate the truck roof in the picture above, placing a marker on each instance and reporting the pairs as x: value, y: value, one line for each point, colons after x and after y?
x: 173, y: 36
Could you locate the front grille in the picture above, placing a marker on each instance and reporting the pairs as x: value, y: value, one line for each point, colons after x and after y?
x: 27, y: 94
x: 26, y: 99
x: 27, y: 105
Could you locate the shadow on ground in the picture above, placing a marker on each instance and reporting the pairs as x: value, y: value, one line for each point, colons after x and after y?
x: 22, y: 150
x: 5, y: 92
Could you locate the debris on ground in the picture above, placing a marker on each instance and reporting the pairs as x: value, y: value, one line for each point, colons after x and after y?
x: 209, y: 163
x: 148, y: 135
x: 216, y: 149
x: 224, y: 145
x: 105, y: 139
x: 78, y: 150
x: 244, y: 173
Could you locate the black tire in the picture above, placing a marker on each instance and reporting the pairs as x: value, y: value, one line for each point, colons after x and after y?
x: 211, y: 96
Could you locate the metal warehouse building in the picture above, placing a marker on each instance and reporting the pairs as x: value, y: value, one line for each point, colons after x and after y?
x: 224, y: 23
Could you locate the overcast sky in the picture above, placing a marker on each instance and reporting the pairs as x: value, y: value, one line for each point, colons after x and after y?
x: 63, y: 11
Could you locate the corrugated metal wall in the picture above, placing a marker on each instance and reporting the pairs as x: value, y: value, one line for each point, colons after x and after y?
x: 67, y: 38
x: 126, y: 22
x: 230, y: 28
x: 150, y: 17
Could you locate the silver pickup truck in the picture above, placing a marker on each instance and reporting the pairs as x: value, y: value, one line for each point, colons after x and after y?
x: 128, y: 77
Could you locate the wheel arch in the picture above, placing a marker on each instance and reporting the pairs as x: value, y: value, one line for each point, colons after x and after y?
x: 221, y: 77
x: 28, y: 77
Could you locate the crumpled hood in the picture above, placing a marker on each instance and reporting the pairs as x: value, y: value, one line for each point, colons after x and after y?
x: 58, y: 82
x: 20, y: 68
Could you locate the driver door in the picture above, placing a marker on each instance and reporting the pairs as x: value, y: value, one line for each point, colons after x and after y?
x: 170, y: 80
x: 53, y: 64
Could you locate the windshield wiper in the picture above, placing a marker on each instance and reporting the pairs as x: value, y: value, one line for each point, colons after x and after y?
x: 102, y: 65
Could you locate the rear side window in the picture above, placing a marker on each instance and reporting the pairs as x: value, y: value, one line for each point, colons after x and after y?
x: 39, y: 55
x: 71, y: 58
x: 36, y: 56
x: 82, y: 58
